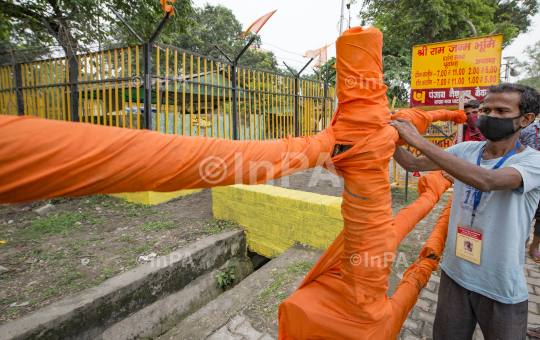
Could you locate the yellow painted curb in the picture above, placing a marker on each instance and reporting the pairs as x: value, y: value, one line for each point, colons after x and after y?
x: 153, y: 197
x: 277, y: 218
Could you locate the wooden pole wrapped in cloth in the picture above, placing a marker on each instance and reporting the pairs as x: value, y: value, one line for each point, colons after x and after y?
x: 344, y: 295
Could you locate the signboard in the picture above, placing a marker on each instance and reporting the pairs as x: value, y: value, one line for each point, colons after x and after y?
x: 441, y: 70
x: 399, y: 173
x: 441, y: 141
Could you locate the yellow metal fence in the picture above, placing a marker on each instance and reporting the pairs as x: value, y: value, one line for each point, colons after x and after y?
x: 195, y: 96
x: 191, y: 94
x: 8, y: 98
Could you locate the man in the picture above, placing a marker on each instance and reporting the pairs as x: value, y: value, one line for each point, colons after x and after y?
x: 495, y: 196
x: 529, y: 137
x: 471, y: 132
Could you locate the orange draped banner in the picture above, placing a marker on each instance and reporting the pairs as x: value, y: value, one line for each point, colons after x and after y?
x: 340, y: 298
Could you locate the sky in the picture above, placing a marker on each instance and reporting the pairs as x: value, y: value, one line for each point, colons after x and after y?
x: 302, y: 25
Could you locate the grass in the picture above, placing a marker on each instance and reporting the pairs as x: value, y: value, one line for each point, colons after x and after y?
x: 131, y: 262
x: 133, y: 213
x: 54, y: 224
x: 169, y: 249
x: 276, y: 289
x: 406, y: 248
x: 75, y: 220
x: 97, y: 221
x: 215, y: 226
x: 48, y: 292
x: 155, y: 225
x: 138, y: 209
x: 106, y: 273
x: 143, y: 249
x: 12, y: 310
x: 127, y: 238
x: 412, y: 195
x: 70, y: 275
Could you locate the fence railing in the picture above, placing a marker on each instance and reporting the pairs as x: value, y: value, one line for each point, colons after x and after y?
x: 184, y: 93
x: 8, y: 98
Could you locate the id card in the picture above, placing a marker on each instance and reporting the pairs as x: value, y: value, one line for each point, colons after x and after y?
x: 469, y: 243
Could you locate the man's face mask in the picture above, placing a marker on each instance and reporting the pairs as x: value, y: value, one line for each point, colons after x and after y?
x: 496, y: 129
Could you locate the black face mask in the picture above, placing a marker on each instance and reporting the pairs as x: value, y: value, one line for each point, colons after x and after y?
x: 496, y: 129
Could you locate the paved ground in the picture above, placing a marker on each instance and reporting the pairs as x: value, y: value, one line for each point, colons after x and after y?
x: 419, y: 324
x: 317, y: 180
x: 239, y: 328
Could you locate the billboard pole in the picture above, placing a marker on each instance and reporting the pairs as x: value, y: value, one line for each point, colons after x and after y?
x: 459, y: 132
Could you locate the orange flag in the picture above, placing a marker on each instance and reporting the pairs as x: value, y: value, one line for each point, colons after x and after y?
x: 313, y: 53
x: 323, y: 57
x: 168, y: 8
x: 258, y: 24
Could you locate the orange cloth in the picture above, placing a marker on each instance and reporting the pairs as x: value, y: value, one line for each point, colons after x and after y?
x: 458, y: 116
x: 44, y: 158
x: 354, y: 304
x: 324, y: 307
x: 422, y: 119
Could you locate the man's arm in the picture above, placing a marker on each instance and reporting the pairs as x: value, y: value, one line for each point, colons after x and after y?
x: 411, y: 163
x: 468, y: 173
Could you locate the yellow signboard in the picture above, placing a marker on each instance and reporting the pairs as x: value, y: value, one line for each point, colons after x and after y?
x: 441, y: 70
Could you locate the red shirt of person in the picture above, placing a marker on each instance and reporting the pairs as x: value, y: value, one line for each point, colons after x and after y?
x: 471, y: 132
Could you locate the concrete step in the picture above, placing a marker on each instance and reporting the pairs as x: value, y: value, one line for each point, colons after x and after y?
x: 224, y: 318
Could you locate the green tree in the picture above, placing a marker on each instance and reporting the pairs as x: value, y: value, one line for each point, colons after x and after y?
x: 406, y: 23
x: 327, y: 69
x: 81, y: 25
x: 218, y: 26
x: 532, y: 67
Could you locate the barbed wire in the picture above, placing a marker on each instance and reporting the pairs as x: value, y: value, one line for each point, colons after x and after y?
x: 267, y: 43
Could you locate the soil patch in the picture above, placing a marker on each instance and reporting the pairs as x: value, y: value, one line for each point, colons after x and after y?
x: 86, y: 240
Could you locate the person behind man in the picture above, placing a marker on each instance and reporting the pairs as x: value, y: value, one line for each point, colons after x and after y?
x: 529, y: 136
x: 495, y: 196
x: 470, y: 132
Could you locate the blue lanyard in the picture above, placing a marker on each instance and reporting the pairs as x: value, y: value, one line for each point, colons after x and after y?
x: 478, y: 193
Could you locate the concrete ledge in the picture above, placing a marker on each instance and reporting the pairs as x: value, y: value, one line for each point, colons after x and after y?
x: 162, y: 315
x: 218, y: 312
x: 87, y: 314
x: 276, y: 218
x: 153, y: 197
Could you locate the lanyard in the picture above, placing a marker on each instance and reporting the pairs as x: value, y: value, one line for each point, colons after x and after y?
x: 478, y: 193
x: 536, y: 138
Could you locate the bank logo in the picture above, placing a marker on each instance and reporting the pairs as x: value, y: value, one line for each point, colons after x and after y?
x: 420, y: 96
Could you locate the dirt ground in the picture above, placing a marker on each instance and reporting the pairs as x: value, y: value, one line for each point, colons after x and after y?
x: 84, y: 241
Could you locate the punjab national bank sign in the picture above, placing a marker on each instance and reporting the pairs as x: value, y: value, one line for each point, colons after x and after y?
x: 441, y: 70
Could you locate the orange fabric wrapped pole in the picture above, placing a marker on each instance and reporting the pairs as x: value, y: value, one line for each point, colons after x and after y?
x: 350, y: 302
x: 324, y: 305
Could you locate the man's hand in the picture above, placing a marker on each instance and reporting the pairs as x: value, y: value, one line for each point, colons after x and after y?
x: 407, y: 131
x: 449, y: 177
